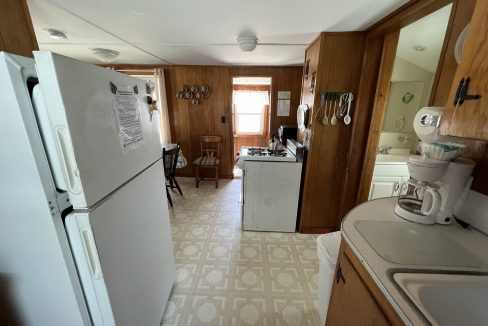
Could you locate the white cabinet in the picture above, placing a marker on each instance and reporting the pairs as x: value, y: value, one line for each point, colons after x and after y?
x: 388, y: 180
x: 385, y: 187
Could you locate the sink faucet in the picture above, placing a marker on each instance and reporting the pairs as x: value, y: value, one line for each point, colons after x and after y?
x: 383, y: 149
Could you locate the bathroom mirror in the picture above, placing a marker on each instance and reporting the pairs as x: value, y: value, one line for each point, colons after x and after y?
x: 418, y: 51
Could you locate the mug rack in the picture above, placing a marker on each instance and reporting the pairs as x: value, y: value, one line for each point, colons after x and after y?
x: 335, y: 106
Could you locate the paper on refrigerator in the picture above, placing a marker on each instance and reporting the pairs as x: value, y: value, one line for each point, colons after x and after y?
x: 128, y: 118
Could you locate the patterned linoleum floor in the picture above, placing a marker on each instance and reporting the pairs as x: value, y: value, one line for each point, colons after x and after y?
x: 225, y: 276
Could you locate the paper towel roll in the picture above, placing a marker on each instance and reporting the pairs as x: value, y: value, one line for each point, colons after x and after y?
x: 426, y: 123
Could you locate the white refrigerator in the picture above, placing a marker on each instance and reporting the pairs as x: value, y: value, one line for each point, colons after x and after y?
x: 84, y: 225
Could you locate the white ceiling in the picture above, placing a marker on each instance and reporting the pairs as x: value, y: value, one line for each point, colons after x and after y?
x: 198, y: 32
x: 429, y: 32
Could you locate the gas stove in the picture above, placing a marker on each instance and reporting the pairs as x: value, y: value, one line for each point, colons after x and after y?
x: 270, y: 188
x: 264, y: 154
x: 260, y: 151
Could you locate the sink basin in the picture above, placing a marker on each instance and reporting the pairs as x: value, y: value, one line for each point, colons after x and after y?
x: 447, y: 299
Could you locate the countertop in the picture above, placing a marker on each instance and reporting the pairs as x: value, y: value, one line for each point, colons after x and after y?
x: 381, y: 269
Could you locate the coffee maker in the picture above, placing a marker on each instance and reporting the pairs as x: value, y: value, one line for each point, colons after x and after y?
x: 435, y: 183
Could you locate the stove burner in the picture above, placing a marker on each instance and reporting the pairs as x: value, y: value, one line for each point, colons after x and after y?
x: 277, y: 152
x: 255, y: 151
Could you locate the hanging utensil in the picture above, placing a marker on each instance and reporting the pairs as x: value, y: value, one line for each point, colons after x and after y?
x: 325, y: 118
x: 347, y: 118
x: 344, y: 96
x: 322, y: 104
x: 333, y: 121
x: 339, y: 112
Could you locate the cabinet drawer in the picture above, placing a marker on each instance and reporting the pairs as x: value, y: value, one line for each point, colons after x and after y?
x: 391, y: 170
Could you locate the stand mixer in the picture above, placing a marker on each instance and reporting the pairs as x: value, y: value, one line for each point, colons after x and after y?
x: 435, y: 185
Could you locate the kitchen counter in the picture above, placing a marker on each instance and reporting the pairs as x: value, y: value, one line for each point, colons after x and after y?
x: 462, y: 251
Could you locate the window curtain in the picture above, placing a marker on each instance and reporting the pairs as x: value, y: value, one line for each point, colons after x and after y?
x: 162, y: 105
x: 251, y: 98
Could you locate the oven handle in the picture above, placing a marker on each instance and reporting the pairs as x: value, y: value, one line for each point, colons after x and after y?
x: 242, y: 186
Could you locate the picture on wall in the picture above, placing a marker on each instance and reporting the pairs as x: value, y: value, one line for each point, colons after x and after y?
x: 403, y: 104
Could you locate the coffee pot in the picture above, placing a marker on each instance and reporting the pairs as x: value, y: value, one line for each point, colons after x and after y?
x: 437, y: 179
x: 274, y: 143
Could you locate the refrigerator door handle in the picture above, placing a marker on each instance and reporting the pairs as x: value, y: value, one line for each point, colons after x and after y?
x: 91, y: 253
x: 72, y: 173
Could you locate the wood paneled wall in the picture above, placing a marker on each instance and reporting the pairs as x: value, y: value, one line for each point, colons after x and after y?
x: 283, y: 79
x: 337, y: 59
x: 361, y: 121
x: 16, y: 32
x: 188, y: 122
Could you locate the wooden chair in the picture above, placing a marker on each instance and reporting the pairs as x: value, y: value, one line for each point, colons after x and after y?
x: 209, y: 158
x: 170, y: 159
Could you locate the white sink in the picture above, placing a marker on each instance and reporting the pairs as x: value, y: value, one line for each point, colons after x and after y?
x: 446, y: 299
x: 391, y: 158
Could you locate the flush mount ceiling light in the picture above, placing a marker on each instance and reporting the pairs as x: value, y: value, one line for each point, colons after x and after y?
x: 56, y: 34
x: 419, y: 48
x: 247, y: 43
x: 104, y: 55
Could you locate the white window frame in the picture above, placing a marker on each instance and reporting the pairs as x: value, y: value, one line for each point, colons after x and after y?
x: 262, y: 131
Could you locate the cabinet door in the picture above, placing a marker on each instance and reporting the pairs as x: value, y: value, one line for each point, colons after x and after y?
x: 382, y: 187
x: 470, y: 119
x: 351, y: 302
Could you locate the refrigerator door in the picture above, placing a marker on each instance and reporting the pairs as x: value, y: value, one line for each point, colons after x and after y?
x: 100, y: 121
x: 132, y: 257
x: 39, y: 283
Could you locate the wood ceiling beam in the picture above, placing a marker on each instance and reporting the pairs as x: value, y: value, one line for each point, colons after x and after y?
x: 16, y: 31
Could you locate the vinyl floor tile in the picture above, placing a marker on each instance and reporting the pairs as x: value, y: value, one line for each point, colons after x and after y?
x: 226, y: 276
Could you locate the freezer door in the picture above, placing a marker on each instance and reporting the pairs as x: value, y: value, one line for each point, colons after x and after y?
x: 133, y: 254
x: 38, y: 278
x: 101, y: 125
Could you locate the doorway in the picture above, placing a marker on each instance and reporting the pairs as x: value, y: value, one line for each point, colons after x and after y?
x: 419, y: 48
x: 251, y: 101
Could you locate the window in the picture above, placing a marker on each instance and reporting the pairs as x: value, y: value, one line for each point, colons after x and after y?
x: 249, y: 111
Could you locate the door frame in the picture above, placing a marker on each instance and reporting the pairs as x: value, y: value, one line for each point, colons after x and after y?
x: 231, y: 108
x: 389, y: 28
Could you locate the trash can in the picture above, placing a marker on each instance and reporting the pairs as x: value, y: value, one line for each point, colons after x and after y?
x: 327, y: 250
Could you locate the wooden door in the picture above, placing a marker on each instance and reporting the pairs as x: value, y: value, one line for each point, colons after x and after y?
x: 470, y: 119
x: 351, y: 302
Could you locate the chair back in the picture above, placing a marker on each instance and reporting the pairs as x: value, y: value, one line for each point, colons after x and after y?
x: 210, y: 146
x: 170, y: 159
